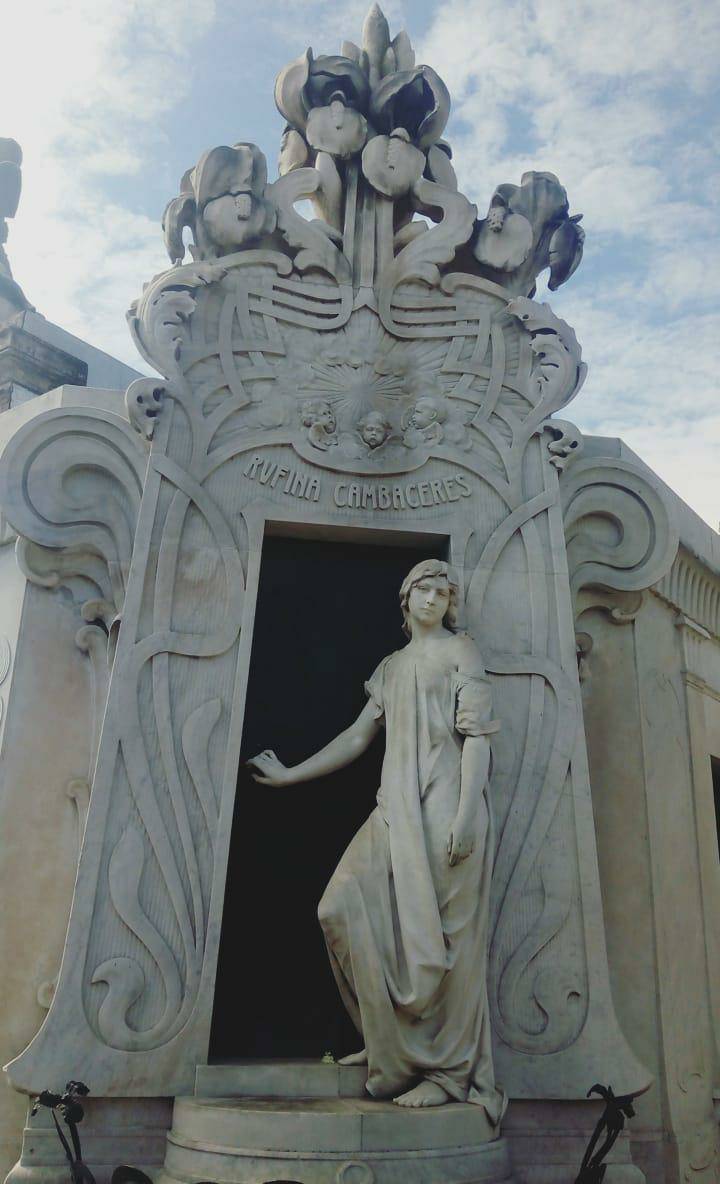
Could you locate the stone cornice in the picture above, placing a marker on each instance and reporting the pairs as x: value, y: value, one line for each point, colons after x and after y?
x: 693, y: 589
x: 35, y: 364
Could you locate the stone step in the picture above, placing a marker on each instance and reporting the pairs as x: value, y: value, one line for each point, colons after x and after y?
x: 311, y: 1124
x: 330, y: 1141
x: 280, y: 1079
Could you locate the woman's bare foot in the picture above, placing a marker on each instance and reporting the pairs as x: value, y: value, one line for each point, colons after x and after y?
x: 354, y: 1058
x: 427, y: 1093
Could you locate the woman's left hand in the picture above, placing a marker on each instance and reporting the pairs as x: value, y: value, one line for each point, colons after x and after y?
x: 461, y: 842
x: 269, y: 769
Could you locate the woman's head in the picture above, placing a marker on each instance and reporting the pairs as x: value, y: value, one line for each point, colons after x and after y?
x: 430, y: 573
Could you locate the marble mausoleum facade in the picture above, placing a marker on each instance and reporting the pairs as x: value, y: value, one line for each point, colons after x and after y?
x: 377, y: 376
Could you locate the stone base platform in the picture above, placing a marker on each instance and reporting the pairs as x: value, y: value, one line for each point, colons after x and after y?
x: 336, y: 1140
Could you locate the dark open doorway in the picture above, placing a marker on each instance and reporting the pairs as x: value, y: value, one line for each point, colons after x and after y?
x: 327, y: 612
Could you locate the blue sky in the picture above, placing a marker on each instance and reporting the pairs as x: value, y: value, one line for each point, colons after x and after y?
x: 112, y: 102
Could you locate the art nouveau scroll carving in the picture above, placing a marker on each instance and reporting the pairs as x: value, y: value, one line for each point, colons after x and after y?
x: 71, y: 486
x: 366, y: 368
x: 621, y: 537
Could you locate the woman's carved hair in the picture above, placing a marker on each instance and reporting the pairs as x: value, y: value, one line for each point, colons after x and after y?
x: 430, y: 569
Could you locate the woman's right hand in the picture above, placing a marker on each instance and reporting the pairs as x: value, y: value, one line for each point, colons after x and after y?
x: 270, y: 770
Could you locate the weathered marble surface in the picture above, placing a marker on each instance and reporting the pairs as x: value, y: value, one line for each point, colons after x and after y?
x: 332, y: 1141
x: 353, y: 314
x: 652, y: 683
x: 379, y: 368
x: 53, y: 669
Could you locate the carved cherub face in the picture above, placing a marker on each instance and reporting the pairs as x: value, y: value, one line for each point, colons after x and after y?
x: 319, y: 414
x: 326, y: 418
x: 374, y: 429
x: 425, y: 413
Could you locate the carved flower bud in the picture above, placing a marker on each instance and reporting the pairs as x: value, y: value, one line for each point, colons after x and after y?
x: 392, y: 164
x: 540, y: 198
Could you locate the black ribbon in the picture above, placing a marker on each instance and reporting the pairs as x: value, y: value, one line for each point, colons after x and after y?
x: 610, y: 1124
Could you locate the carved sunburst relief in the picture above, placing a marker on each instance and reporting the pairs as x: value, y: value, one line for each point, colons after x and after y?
x: 381, y: 366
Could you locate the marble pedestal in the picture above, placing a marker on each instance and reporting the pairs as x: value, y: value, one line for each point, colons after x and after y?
x: 312, y: 1123
x: 330, y: 1141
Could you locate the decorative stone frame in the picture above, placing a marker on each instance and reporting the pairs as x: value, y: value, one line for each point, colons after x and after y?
x: 132, y: 1010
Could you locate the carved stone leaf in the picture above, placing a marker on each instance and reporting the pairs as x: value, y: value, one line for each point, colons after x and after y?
x: 422, y: 258
x: 559, y: 372
x: 159, y: 322
x: 313, y: 240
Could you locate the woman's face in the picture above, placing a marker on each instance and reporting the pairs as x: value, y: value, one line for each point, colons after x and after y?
x: 429, y: 600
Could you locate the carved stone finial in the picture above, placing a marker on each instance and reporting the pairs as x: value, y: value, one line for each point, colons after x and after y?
x: 12, y: 297
x: 363, y: 144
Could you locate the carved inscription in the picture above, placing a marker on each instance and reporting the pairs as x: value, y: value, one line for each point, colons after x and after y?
x: 408, y: 495
x: 277, y: 476
x: 359, y: 495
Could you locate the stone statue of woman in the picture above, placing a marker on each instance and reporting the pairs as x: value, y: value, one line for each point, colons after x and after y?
x: 405, y: 915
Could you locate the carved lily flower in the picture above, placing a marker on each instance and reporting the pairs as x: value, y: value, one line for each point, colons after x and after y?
x: 325, y: 99
x: 392, y: 164
x: 223, y: 201
x: 528, y: 228
x: 416, y: 100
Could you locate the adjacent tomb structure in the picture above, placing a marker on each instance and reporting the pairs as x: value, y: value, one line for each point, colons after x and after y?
x: 341, y: 397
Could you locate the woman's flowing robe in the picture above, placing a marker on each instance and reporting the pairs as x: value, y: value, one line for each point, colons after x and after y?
x: 405, y: 931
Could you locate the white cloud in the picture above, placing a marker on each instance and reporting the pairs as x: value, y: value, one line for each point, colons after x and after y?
x: 86, y: 88
x: 616, y: 99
